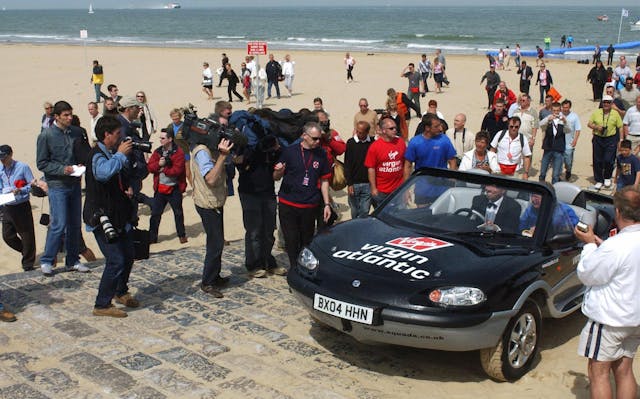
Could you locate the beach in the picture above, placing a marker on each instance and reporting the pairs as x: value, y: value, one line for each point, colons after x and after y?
x: 171, y: 77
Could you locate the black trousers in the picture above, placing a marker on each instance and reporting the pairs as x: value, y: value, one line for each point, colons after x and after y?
x: 159, y: 203
x: 212, y: 224
x: 18, y: 232
x: 524, y: 85
x: 490, y: 93
x: 232, y: 89
x: 259, y: 218
x: 604, y: 157
x: 297, y: 225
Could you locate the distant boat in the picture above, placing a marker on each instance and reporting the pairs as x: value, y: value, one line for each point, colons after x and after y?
x: 90, y: 8
x: 602, y: 18
x: 635, y: 25
x: 172, y: 6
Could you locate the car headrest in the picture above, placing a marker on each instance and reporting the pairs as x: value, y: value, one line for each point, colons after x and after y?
x: 569, y: 193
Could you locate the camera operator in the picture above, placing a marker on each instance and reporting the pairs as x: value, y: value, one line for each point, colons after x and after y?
x: 209, y: 196
x: 136, y: 169
x: 169, y: 182
x: 258, y: 201
x: 609, y: 269
x: 107, y: 212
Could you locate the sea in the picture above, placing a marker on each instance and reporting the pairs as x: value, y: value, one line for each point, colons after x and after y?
x: 415, y: 29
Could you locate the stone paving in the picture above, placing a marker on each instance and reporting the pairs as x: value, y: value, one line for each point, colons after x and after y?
x: 256, y: 342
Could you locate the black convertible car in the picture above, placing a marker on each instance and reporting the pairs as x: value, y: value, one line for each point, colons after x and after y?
x: 454, y: 261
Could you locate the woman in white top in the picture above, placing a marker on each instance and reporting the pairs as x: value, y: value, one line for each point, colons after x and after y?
x: 288, y: 72
x: 146, y: 116
x: 480, y: 157
x: 349, y: 63
x: 207, y: 81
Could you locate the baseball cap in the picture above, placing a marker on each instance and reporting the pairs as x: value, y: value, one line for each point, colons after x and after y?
x: 129, y: 101
x: 607, y: 97
x: 4, y: 151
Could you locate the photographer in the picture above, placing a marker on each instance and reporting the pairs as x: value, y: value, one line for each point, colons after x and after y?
x: 169, y: 182
x: 555, y: 128
x: 136, y: 169
x: 107, y: 212
x: 609, y: 269
x: 258, y: 201
x: 209, y: 196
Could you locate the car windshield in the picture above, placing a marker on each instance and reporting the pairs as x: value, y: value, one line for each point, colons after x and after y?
x: 472, y: 208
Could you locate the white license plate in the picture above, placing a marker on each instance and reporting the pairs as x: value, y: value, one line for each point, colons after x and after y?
x: 343, y: 310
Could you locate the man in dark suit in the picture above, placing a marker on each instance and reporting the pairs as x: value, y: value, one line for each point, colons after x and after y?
x: 526, y: 74
x: 498, y: 208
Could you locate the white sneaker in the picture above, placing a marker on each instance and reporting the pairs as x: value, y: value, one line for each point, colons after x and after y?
x: 79, y: 267
x: 598, y: 186
x: 47, y: 269
x: 607, y: 183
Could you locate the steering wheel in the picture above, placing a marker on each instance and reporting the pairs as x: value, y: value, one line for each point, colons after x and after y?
x: 470, y: 213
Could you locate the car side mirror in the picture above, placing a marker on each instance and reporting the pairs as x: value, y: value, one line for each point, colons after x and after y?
x: 562, y: 240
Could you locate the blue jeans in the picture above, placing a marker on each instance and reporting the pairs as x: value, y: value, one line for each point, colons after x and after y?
x: 65, y: 206
x: 360, y: 201
x: 159, y: 202
x: 212, y: 224
x: 273, y: 83
x: 377, y: 199
x: 118, y: 258
x: 99, y: 93
x: 555, y: 159
x: 568, y: 159
x: 259, y: 218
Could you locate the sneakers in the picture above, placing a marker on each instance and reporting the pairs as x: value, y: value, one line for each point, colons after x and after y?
x: 607, y: 183
x: 128, y: 301
x: 47, y: 269
x: 258, y: 273
x: 7, y: 316
x: 279, y: 271
x: 211, y: 290
x: 598, y: 185
x: 111, y: 311
x: 78, y: 267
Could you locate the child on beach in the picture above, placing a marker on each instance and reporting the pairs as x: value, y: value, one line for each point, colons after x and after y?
x: 627, y: 167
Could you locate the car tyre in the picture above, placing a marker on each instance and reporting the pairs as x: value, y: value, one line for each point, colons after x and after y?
x: 514, y: 354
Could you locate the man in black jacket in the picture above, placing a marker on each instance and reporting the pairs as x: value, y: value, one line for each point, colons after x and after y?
x: 274, y: 71
x: 107, y: 212
x: 526, y: 74
x: 553, y: 144
x: 496, y: 119
x: 498, y: 209
x: 356, y: 173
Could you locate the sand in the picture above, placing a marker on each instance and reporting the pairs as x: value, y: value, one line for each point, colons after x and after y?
x: 171, y: 78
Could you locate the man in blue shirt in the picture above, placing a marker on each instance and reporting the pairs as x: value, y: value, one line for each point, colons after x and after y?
x: 17, y: 220
x: 563, y: 220
x: 56, y: 159
x: 107, y: 212
x: 431, y: 149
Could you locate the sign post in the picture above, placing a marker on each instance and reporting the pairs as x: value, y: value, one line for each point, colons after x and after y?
x: 258, y: 78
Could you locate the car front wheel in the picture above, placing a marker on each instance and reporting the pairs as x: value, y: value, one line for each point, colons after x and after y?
x: 514, y: 354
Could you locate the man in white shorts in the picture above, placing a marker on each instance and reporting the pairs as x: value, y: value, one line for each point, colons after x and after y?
x: 632, y: 124
x: 512, y: 149
x: 609, y: 269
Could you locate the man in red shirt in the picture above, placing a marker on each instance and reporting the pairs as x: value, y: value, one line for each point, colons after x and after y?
x: 506, y: 94
x: 384, y: 162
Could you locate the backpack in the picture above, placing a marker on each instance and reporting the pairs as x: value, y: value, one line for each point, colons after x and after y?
x: 519, y: 134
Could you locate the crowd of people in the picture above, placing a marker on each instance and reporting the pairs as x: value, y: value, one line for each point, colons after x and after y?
x: 379, y: 155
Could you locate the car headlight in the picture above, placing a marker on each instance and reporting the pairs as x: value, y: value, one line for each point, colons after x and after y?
x: 307, y: 260
x: 457, y: 296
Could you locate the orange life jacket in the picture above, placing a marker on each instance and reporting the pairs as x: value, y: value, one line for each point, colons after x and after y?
x: 402, y: 109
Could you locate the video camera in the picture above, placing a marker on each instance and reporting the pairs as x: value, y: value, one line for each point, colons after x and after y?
x: 209, y: 131
x: 144, y: 146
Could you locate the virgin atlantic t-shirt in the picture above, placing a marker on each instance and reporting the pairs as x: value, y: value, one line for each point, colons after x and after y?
x: 387, y: 158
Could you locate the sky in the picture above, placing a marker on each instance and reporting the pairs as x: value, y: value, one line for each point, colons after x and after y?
x: 79, y: 4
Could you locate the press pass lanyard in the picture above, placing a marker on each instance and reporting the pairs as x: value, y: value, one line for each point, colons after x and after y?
x: 305, y: 181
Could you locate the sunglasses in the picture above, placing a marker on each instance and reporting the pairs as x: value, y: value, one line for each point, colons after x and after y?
x: 607, y: 102
x: 314, y: 138
x: 514, y: 126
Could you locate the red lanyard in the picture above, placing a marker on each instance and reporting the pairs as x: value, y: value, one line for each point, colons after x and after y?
x: 304, y: 161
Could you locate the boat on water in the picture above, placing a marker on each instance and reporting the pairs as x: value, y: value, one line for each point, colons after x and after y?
x: 602, y: 18
x: 172, y: 6
x: 635, y: 25
x: 90, y: 8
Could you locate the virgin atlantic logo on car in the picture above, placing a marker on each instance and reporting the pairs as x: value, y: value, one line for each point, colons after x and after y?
x: 419, y: 244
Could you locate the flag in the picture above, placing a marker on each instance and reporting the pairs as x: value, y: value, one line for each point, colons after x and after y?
x: 625, y: 12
